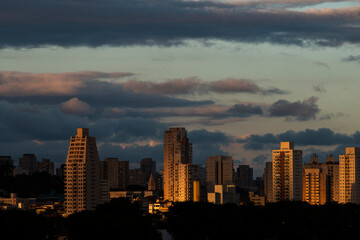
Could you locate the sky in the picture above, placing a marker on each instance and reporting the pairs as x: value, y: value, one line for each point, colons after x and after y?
x: 239, y: 75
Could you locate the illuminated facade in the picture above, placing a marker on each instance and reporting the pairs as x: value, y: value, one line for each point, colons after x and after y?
x: 287, y: 173
x: 349, y: 176
x: 178, y: 170
x: 82, y: 173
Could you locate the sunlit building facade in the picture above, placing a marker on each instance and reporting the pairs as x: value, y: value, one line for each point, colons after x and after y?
x: 287, y: 173
x: 349, y: 176
x: 178, y: 170
x: 82, y: 173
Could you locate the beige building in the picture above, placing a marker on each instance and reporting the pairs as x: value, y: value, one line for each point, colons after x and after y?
x: 223, y: 194
x: 314, y: 185
x: 256, y: 199
x: 349, y: 176
x: 178, y: 168
x: 287, y: 173
x: 82, y: 173
x: 219, y: 171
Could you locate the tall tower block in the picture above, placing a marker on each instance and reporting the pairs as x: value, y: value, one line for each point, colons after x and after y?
x: 82, y: 173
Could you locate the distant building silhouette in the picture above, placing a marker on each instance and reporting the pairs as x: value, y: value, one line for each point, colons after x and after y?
x: 6, y: 166
x: 268, y: 182
x: 46, y: 166
x: 244, y: 176
x: 219, y: 171
x: 28, y: 164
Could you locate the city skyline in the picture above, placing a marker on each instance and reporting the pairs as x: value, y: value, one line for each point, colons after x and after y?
x: 240, y: 76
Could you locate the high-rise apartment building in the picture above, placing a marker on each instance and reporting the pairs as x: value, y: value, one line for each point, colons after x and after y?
x: 148, y: 168
x: 123, y: 174
x: 28, y: 164
x: 46, y: 166
x: 110, y: 172
x: 6, y: 166
x: 244, y: 176
x: 219, y: 171
x: 331, y: 169
x: 314, y: 185
x: 349, y: 176
x: 82, y: 173
x: 268, y: 182
x: 178, y: 169
x: 287, y: 173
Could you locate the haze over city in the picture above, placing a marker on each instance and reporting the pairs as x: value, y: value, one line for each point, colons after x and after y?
x: 240, y: 76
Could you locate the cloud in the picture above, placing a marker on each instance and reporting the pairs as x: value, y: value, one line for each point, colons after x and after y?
x: 76, y: 106
x: 194, y: 85
x: 308, y: 137
x: 172, y: 87
x: 98, y: 89
x: 245, y: 110
x: 319, y: 88
x: 33, y: 23
x: 22, y: 84
x: 321, y: 64
x: 352, y: 58
x: 301, y: 110
x: 206, y: 143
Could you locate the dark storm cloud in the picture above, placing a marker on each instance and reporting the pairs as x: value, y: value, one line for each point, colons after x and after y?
x: 88, y: 87
x: 245, y: 110
x: 308, y: 137
x: 50, y: 124
x: 93, y: 23
x: 206, y: 143
x: 301, y: 110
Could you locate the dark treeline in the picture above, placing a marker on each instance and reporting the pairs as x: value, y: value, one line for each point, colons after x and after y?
x: 31, y: 186
x: 118, y: 219
x: 121, y: 219
x: 284, y: 220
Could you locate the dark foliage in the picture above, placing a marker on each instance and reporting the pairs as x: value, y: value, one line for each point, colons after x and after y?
x: 17, y: 224
x: 33, y: 185
x: 118, y: 219
x: 285, y: 220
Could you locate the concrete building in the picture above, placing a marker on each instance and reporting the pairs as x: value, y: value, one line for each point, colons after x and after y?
x: 256, y: 199
x: 6, y: 166
x: 82, y: 173
x: 14, y: 200
x: 110, y: 172
x: 177, y: 165
x: 148, y: 168
x: 349, y: 176
x: 314, y: 185
x: 28, y: 164
x: 219, y: 171
x: 320, y: 180
x: 244, y: 176
x: 223, y: 194
x: 331, y: 169
x: 123, y: 174
x: 287, y: 173
x: 268, y: 182
x: 151, y: 184
x: 46, y: 166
